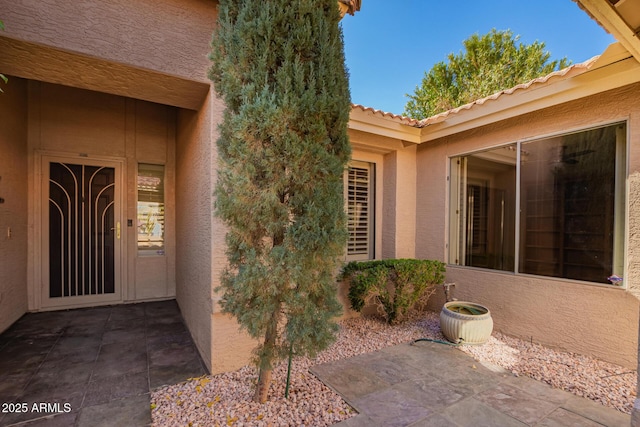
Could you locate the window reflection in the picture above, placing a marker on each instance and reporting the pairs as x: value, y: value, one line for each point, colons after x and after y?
x: 150, y: 209
x: 568, y: 192
x: 568, y: 208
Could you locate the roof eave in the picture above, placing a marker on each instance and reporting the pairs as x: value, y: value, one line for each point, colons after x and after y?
x: 380, y: 123
x: 613, y: 22
x: 563, y: 89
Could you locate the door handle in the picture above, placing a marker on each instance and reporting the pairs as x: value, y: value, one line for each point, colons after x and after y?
x: 117, y: 228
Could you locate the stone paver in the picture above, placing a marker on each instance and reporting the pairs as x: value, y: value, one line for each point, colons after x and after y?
x: 433, y: 385
x: 96, y: 366
x: 103, y: 362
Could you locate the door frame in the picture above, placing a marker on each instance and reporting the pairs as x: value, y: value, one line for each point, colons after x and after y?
x: 42, y: 300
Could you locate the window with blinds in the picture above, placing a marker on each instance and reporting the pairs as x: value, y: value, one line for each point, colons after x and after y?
x: 359, y: 188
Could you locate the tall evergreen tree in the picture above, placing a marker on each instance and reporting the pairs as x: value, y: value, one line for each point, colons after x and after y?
x: 279, y: 67
x: 488, y: 64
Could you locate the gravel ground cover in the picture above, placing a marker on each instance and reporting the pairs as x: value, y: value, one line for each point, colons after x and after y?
x: 226, y: 399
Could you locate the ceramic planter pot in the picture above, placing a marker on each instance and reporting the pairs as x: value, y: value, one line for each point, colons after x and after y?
x: 466, y: 322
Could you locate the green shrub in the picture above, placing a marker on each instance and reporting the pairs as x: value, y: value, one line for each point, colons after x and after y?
x: 395, y: 286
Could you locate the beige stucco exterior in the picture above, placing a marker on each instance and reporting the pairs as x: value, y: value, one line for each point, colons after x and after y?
x: 119, y: 82
x: 14, y: 206
x: 125, y: 82
x: 200, y: 252
x: 150, y: 50
x: 394, y: 236
x: 566, y: 314
x: 80, y: 124
x: 586, y: 318
x: 571, y: 315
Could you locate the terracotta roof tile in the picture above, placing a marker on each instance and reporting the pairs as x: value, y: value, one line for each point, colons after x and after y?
x: 395, y: 117
x: 570, y: 71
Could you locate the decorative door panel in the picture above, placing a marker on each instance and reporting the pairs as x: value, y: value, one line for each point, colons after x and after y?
x: 82, y: 233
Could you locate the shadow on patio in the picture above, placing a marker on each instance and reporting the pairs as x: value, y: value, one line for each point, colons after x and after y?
x: 93, y: 367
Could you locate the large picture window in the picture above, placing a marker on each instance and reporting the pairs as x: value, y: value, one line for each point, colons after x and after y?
x: 550, y: 207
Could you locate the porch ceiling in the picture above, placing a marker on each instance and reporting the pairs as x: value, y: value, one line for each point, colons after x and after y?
x: 36, y: 62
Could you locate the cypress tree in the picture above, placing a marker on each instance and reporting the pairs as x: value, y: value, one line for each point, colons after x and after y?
x: 283, y: 147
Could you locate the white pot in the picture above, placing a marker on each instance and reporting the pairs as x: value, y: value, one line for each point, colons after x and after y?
x: 466, y: 322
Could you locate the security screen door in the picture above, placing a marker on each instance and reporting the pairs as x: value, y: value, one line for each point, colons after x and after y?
x: 81, y: 232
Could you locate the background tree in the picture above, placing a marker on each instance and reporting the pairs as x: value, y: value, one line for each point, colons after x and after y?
x: 279, y: 66
x: 488, y: 64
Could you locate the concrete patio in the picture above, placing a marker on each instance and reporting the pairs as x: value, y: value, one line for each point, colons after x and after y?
x: 101, y: 362
x: 434, y: 385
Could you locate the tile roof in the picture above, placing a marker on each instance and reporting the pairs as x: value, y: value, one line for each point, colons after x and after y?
x: 570, y: 71
x: 395, y: 117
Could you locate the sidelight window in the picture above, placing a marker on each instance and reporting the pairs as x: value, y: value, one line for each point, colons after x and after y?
x: 150, y: 209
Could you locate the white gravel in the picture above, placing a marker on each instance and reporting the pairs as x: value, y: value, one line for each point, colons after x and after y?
x: 226, y: 399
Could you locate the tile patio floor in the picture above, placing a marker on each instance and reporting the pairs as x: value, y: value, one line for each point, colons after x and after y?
x: 104, y: 361
x: 434, y: 385
x: 101, y: 361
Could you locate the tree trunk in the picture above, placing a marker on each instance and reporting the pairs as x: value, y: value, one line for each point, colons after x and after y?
x: 264, y: 377
x: 262, y: 389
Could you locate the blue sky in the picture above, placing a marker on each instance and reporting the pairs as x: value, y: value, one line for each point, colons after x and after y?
x: 390, y: 44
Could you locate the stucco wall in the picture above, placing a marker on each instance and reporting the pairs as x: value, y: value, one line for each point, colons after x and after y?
x: 142, y: 49
x: 589, y: 319
x: 389, y: 182
x: 152, y: 142
x: 395, y: 234
x: 200, y: 254
x: 231, y: 347
x: 169, y: 36
x: 13, y: 211
x: 86, y: 124
x: 399, y: 207
x: 395, y: 187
